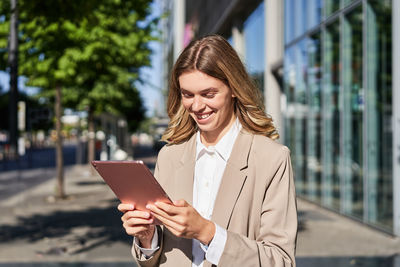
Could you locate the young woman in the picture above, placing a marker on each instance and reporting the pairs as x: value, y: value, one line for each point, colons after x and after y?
x: 232, y: 183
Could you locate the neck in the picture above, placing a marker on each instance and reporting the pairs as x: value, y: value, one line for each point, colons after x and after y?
x: 212, y: 138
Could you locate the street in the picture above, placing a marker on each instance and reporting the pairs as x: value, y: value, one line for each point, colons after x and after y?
x: 41, y: 163
x: 40, y: 158
x: 85, y: 229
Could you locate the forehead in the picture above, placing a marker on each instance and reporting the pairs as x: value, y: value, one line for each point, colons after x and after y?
x: 197, y: 80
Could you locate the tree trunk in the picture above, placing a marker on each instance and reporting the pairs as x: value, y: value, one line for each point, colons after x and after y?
x: 91, y: 142
x: 60, y: 190
x: 13, y: 63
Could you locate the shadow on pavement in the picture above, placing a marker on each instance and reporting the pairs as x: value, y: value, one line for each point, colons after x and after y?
x: 101, y: 226
x: 90, y: 183
x: 392, y: 261
x: 64, y: 264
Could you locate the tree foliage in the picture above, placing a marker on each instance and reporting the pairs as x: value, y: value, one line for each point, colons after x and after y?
x: 93, y: 49
x: 86, y: 53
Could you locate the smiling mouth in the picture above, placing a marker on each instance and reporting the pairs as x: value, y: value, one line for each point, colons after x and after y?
x: 203, y: 116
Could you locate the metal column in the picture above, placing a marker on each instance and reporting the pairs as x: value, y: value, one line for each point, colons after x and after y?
x: 273, y: 58
x: 179, y: 26
x: 396, y: 114
x: 239, y: 42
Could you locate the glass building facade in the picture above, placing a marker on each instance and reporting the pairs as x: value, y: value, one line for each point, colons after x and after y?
x: 253, y: 29
x: 338, y: 116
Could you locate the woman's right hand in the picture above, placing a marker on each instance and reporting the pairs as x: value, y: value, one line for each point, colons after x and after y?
x: 138, y: 224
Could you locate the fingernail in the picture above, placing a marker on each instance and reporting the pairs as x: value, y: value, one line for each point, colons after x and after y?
x: 148, y: 206
x: 131, y: 207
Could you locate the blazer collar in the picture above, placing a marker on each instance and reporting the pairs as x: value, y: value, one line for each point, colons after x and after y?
x: 183, y: 184
x: 231, y: 184
x: 184, y: 174
x: 189, y: 151
x: 232, y: 180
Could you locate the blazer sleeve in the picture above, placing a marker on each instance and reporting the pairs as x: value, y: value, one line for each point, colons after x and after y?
x: 275, y: 244
x: 140, y: 258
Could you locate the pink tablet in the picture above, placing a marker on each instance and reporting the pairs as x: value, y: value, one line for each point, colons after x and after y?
x: 132, y: 182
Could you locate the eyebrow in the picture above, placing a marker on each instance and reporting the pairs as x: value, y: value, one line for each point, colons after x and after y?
x: 204, y: 91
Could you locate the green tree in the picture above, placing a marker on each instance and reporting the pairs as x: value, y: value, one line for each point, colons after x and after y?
x: 84, y: 53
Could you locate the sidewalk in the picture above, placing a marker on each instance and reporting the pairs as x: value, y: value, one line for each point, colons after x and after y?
x: 328, y: 239
x: 86, y: 228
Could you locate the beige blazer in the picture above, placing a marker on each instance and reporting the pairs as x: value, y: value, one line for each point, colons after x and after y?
x: 255, y: 203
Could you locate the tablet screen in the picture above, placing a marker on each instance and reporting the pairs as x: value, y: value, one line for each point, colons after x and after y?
x: 132, y: 182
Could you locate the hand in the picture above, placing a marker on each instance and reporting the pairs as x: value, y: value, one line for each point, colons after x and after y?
x: 138, y: 224
x: 183, y: 220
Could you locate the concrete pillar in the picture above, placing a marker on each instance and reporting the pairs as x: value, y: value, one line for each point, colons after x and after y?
x: 239, y: 43
x: 273, y: 56
x: 179, y: 26
x: 396, y: 114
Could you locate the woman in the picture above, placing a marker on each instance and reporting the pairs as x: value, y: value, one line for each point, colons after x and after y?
x: 232, y: 184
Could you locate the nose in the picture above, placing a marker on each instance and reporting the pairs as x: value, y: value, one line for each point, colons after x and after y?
x: 197, y: 104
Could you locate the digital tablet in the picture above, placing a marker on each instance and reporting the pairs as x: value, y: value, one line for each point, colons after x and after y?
x: 132, y: 182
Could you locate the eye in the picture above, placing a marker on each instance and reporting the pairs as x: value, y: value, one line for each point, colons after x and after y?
x: 209, y: 95
x: 186, y: 95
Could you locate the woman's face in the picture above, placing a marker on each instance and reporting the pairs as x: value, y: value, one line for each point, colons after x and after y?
x: 210, y: 103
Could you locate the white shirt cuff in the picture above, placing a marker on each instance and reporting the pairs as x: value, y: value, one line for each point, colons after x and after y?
x: 216, y: 247
x: 148, y: 252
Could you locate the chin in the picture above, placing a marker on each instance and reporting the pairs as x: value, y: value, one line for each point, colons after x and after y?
x: 205, y: 128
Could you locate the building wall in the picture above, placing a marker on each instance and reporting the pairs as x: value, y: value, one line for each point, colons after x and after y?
x: 338, y: 84
x: 209, y: 16
x: 329, y: 74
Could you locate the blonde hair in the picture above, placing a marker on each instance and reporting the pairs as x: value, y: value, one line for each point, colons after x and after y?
x: 214, y: 56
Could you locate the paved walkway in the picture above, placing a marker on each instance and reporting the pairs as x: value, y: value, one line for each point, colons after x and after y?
x: 328, y: 239
x: 35, y: 227
x: 85, y: 229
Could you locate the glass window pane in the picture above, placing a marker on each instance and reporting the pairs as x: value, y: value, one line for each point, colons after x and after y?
x: 300, y: 119
x: 314, y: 147
x: 255, y: 48
x: 289, y: 20
x: 331, y: 117
x: 331, y: 6
x: 295, y: 120
x: 314, y: 10
x: 346, y: 2
x: 289, y: 83
x: 379, y: 114
x: 300, y: 15
x: 353, y: 108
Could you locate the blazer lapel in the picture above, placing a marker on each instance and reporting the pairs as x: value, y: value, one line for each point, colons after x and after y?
x: 184, y: 174
x: 232, y: 180
x: 183, y: 187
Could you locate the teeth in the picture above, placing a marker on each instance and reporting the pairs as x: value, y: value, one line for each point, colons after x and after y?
x: 203, y: 116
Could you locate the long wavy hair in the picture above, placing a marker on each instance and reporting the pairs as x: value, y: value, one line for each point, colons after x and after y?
x: 214, y: 56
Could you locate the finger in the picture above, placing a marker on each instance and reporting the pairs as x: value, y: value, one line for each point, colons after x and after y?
x: 125, y: 207
x: 180, y: 203
x: 168, y: 222
x: 138, y: 221
x: 168, y: 208
x: 137, y: 230
x: 139, y: 214
x: 136, y: 214
x: 154, y: 209
x: 159, y: 213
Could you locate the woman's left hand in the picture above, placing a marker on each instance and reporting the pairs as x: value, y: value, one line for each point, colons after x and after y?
x: 183, y: 220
